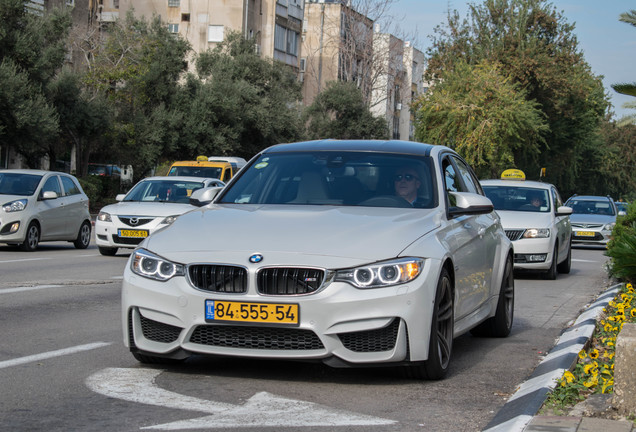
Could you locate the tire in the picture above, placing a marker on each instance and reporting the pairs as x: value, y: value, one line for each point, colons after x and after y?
x: 501, y: 324
x: 566, y: 265
x: 551, y: 274
x: 441, y: 338
x: 83, y: 236
x: 32, y: 238
x: 107, y: 251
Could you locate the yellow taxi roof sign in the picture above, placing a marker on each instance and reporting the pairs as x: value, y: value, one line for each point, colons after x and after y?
x: 202, y: 158
x: 513, y: 174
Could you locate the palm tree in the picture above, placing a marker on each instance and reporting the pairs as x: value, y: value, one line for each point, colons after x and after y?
x: 627, y: 88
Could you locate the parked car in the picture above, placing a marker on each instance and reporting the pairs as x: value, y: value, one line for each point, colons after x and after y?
x: 593, y: 219
x: 536, y: 221
x: 621, y: 207
x: 315, y: 252
x: 203, y: 168
x: 42, y: 206
x: 151, y: 204
x: 236, y: 162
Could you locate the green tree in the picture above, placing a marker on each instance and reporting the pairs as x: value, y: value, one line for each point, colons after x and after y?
x: 536, y: 48
x: 483, y: 115
x: 238, y: 103
x: 627, y: 88
x: 138, y: 68
x: 32, y: 50
x: 340, y: 112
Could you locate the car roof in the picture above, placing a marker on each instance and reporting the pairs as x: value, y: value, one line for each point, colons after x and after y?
x: 181, y: 178
x: 31, y: 171
x: 591, y: 198
x: 201, y: 163
x: 380, y: 146
x: 516, y: 183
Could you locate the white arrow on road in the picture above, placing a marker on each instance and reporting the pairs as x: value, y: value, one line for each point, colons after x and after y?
x: 262, y: 409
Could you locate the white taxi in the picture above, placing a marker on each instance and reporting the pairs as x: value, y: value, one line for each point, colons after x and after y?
x: 536, y: 221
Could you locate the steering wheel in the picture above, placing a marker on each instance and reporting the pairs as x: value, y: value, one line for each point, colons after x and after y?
x: 386, y: 201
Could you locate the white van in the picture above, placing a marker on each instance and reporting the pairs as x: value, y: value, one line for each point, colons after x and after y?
x: 236, y: 162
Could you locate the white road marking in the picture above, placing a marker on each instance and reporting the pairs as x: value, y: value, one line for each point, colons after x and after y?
x: 28, y: 288
x: 23, y: 260
x: 51, y: 354
x: 261, y: 410
x: 582, y: 260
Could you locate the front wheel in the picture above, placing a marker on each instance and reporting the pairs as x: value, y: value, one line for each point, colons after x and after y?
x: 566, y: 265
x: 32, y: 238
x: 83, y: 236
x: 441, y: 339
x: 551, y: 274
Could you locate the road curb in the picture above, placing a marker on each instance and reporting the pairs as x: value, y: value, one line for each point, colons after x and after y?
x: 529, y: 397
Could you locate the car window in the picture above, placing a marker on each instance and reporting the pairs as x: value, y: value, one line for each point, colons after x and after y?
x: 52, y: 184
x: 334, y: 178
x: 196, y: 171
x: 518, y: 198
x: 163, y: 191
x: 557, y: 199
x: 587, y: 206
x: 471, y: 184
x: 18, y: 184
x: 70, y: 188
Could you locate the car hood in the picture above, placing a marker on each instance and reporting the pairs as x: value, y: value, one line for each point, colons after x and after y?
x: 591, y: 219
x: 5, y: 199
x: 522, y: 220
x: 157, y: 209
x: 323, y: 236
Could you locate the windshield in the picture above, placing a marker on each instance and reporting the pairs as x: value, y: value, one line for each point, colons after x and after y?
x: 163, y: 191
x: 598, y: 207
x: 18, y: 184
x: 196, y: 171
x: 516, y: 198
x: 336, y: 178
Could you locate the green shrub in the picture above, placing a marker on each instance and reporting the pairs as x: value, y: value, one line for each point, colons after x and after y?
x: 100, y: 190
x: 622, y: 248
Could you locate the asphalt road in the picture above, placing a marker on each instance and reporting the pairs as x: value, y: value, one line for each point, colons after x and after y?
x: 63, y: 366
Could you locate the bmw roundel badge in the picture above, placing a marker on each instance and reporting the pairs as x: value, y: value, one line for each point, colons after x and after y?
x: 256, y: 258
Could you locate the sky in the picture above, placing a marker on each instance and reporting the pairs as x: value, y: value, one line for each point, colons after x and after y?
x: 608, y: 45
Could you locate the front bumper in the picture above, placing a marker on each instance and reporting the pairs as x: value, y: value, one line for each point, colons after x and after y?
x: 533, y: 254
x: 599, y: 237
x: 339, y: 324
x: 107, y: 234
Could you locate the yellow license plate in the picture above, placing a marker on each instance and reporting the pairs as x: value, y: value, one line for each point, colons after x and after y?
x: 274, y: 313
x: 133, y: 233
x: 585, y: 233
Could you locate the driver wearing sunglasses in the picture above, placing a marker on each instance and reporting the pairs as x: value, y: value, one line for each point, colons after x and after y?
x: 407, y: 184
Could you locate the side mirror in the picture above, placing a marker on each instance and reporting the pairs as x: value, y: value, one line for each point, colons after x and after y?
x: 49, y: 195
x: 564, y: 211
x: 205, y: 196
x: 465, y: 203
x: 120, y: 197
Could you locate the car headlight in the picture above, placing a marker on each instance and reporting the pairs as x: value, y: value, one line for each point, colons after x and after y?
x: 537, y: 233
x: 169, y: 219
x: 382, y: 274
x: 609, y: 226
x: 104, y: 217
x: 15, y: 206
x: 149, y: 265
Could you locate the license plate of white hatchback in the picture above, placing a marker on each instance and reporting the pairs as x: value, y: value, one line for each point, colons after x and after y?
x: 274, y: 313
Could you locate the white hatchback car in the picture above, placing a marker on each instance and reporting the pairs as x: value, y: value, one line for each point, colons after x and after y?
x: 151, y: 204
x: 346, y: 252
x: 39, y: 206
x: 536, y: 221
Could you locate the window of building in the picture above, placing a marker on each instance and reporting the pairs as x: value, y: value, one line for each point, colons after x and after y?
x: 280, y: 38
x: 173, y: 28
x: 292, y: 42
x: 185, y: 17
x: 174, y: 3
x: 215, y: 33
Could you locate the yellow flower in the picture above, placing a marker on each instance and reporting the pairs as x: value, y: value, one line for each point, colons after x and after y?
x: 594, y: 354
x: 591, y: 368
x: 633, y: 312
x: 582, y: 354
x: 606, y: 385
x: 608, y: 327
x: 592, y: 382
x: 629, y: 287
x: 568, y: 377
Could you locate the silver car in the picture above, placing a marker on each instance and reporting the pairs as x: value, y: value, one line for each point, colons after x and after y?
x: 39, y: 206
x: 353, y: 253
x: 536, y: 221
x: 593, y: 219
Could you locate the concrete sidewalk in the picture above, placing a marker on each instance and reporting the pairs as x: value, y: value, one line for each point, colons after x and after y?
x: 578, y: 424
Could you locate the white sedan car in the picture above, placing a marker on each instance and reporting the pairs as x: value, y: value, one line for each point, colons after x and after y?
x: 151, y: 204
x: 536, y: 221
x: 353, y: 253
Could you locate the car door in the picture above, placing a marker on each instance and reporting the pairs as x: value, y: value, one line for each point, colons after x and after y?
x: 51, y: 212
x: 75, y: 205
x: 562, y: 225
x: 467, y: 240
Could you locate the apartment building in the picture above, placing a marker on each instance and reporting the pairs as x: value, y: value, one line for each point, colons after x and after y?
x: 275, y: 25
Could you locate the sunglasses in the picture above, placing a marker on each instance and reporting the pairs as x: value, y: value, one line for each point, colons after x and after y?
x: 407, y: 177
